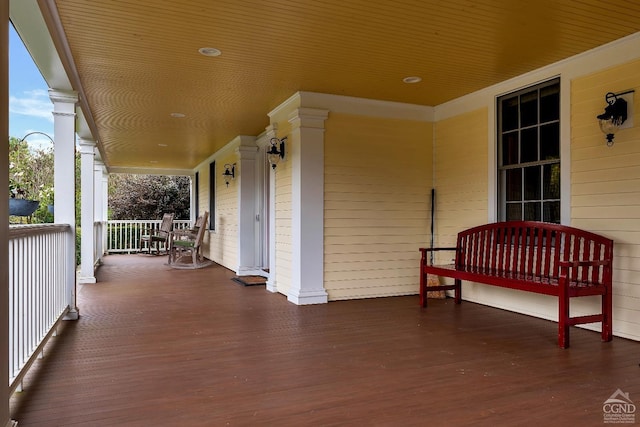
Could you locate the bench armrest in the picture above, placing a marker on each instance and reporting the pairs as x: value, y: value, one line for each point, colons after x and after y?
x: 424, y: 252
x: 437, y: 249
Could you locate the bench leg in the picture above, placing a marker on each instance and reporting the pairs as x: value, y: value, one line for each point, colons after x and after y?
x: 423, y: 291
x: 607, y: 313
x: 458, y: 291
x: 563, y: 313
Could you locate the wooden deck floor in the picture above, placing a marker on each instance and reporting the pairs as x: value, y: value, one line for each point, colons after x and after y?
x: 162, y: 347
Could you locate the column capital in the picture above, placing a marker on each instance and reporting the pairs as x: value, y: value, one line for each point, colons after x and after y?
x: 308, y: 118
x: 66, y: 96
x: 272, y: 130
x: 87, y: 146
x: 247, y: 149
x: 247, y: 153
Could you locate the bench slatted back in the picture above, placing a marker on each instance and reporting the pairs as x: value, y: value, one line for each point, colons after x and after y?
x: 529, y: 248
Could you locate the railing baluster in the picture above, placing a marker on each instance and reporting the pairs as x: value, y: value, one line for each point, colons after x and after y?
x: 37, y: 292
x: 123, y: 236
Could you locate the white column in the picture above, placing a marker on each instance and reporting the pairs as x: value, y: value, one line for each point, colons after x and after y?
x: 98, y: 185
x: 306, y: 154
x: 104, y: 214
x: 272, y: 281
x: 4, y: 215
x: 105, y: 194
x: 64, y: 120
x: 245, y: 183
x: 98, y: 201
x: 99, y: 206
x: 87, y: 207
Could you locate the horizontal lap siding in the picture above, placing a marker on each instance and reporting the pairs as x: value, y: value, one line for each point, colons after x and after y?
x: 283, y: 206
x: 224, y: 241
x: 376, y: 214
x: 605, y: 185
x: 462, y: 199
x: 461, y: 176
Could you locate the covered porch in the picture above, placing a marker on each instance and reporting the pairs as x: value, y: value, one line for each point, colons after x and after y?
x: 157, y: 346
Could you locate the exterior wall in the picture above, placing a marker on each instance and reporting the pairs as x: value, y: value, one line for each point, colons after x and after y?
x: 220, y: 245
x: 377, y: 200
x: 599, y: 184
x: 461, y: 183
x: 223, y: 242
x: 605, y: 184
x: 461, y: 171
x: 376, y: 153
x: 203, y: 190
x: 283, y: 207
x: 203, y: 205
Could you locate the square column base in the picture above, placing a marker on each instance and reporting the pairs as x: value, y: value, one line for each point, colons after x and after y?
x: 308, y: 297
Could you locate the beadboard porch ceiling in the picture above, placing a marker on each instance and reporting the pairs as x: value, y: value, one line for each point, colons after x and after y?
x: 135, y: 63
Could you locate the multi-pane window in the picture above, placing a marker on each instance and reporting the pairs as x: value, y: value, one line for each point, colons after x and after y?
x: 529, y: 154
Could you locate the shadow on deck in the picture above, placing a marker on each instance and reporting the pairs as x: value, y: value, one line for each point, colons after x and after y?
x: 162, y: 347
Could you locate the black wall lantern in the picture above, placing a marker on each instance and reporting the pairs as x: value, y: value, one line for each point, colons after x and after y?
x: 615, y: 114
x: 276, y: 151
x: 229, y: 173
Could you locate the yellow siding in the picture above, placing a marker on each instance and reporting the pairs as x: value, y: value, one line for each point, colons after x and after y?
x: 377, y: 188
x: 221, y: 244
x: 283, y: 193
x: 203, y: 198
x: 605, y: 186
x: 224, y: 241
x: 461, y: 175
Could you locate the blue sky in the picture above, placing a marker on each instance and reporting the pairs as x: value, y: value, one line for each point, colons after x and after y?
x: 29, y: 106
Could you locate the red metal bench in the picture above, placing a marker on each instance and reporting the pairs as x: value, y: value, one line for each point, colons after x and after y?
x: 538, y: 257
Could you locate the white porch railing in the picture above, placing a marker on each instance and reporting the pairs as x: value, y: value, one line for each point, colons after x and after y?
x: 123, y: 236
x: 38, y: 291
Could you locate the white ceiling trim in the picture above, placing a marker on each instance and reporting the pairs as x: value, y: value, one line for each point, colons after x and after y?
x: 152, y: 171
x: 352, y: 105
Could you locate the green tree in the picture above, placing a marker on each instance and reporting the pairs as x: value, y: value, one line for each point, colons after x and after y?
x: 31, y: 176
x: 148, y: 196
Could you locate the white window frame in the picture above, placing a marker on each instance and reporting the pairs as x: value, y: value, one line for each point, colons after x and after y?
x: 503, y: 203
x: 565, y: 147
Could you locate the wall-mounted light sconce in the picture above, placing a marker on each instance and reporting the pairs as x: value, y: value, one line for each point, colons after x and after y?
x: 615, y: 114
x: 276, y: 151
x: 229, y: 173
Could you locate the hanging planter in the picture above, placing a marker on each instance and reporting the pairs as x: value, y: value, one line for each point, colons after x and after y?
x: 22, y: 207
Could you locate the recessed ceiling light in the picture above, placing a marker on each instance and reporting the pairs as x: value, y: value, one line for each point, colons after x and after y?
x: 163, y: 145
x: 209, y: 51
x: 412, y: 79
x: 178, y: 115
